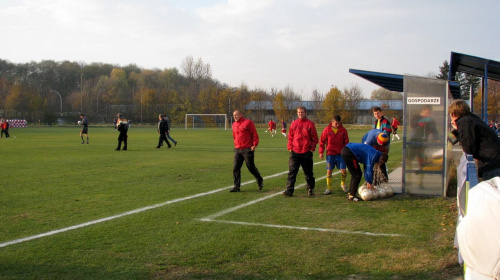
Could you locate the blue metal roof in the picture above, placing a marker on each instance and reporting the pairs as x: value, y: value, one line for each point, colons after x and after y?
x: 388, y: 81
x: 473, y: 65
x: 394, y: 82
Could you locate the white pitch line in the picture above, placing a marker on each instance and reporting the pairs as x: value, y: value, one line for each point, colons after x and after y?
x: 302, y: 228
x: 224, y: 212
x: 139, y: 210
x: 211, y: 218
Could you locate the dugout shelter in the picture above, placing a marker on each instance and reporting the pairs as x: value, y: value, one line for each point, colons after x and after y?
x: 478, y: 246
x: 424, y: 170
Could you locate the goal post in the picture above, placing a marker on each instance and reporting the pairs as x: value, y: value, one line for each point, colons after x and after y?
x: 196, y: 121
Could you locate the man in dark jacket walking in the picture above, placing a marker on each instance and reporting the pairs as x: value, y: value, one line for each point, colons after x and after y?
x: 476, y: 138
x: 162, y: 130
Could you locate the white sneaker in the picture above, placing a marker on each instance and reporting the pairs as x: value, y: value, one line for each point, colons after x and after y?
x: 344, y: 188
x: 327, y: 192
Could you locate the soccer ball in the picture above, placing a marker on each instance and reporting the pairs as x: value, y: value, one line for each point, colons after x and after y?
x: 362, y: 188
x: 390, y: 191
x: 366, y: 194
x: 382, y: 193
x: 79, y: 122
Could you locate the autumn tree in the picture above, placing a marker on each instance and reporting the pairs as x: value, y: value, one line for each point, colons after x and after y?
x: 334, y: 104
x: 118, y: 87
x: 280, y: 109
x: 493, y: 107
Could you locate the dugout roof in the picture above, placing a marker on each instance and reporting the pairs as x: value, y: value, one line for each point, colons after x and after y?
x: 473, y: 65
x: 394, y: 82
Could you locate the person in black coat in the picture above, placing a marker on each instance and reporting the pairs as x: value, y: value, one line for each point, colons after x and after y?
x: 162, y: 130
x: 122, y: 127
x: 476, y: 138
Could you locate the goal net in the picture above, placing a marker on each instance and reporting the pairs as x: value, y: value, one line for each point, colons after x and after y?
x: 196, y: 121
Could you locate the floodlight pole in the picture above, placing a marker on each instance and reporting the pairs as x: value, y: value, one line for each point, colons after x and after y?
x: 59, y: 98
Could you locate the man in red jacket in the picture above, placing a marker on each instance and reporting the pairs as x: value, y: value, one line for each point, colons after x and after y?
x: 334, y: 137
x: 272, y: 127
x: 394, y: 125
x: 302, y: 141
x: 246, y: 140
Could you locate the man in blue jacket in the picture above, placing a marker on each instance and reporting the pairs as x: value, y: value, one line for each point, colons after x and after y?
x: 355, y: 153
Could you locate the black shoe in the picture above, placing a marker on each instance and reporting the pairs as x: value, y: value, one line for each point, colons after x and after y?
x: 310, y: 192
x: 175, y: 144
x: 235, y: 190
x: 83, y: 142
x: 261, y: 185
x: 117, y: 149
x: 170, y: 146
x: 157, y: 147
x: 124, y: 149
x: 288, y: 193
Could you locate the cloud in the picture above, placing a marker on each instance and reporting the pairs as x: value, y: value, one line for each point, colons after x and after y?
x: 304, y: 44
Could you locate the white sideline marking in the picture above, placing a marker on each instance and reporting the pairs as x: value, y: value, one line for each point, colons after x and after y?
x: 53, y: 232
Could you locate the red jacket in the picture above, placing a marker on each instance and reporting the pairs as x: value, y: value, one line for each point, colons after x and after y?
x: 244, y: 134
x: 334, y: 142
x: 271, y: 124
x: 395, y: 123
x: 303, y: 136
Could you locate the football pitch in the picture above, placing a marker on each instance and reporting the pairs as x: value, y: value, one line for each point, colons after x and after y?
x: 78, y: 211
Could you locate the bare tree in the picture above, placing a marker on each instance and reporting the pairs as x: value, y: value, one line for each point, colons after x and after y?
x: 384, y: 94
x: 352, y: 97
x: 317, y: 100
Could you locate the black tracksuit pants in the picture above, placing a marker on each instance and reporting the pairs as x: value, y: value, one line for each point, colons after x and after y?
x: 294, y: 163
x: 247, y: 156
x: 354, y: 168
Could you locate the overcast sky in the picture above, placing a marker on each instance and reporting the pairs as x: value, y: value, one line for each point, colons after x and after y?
x: 305, y: 44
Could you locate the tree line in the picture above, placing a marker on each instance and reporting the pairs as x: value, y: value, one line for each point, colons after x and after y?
x: 48, y: 90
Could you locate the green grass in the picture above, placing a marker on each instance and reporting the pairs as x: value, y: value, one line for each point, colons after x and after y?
x: 50, y: 181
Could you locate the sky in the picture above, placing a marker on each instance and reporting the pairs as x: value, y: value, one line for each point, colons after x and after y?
x: 305, y: 45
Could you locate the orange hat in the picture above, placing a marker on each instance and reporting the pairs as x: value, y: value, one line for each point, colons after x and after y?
x: 382, y: 139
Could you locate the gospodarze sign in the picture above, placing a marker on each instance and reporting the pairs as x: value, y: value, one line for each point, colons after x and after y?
x: 423, y: 100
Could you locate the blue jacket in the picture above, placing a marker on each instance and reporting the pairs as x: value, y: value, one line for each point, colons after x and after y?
x: 367, y: 156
